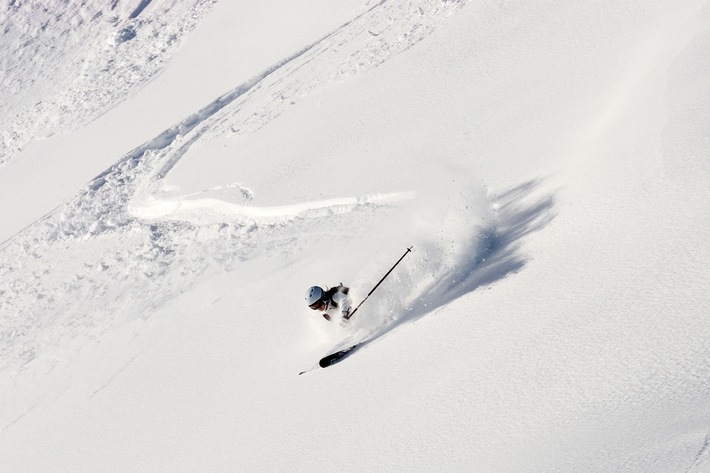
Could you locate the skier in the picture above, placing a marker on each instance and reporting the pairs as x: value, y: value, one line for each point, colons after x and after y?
x: 331, y: 302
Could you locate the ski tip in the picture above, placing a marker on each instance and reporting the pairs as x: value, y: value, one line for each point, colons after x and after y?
x: 308, y: 370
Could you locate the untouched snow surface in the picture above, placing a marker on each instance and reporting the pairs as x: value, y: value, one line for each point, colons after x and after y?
x: 175, y: 174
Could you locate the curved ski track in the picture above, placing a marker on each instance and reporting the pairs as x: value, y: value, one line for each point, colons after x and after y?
x: 116, y: 252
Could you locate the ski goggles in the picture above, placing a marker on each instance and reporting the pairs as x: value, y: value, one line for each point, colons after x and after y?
x: 318, y: 305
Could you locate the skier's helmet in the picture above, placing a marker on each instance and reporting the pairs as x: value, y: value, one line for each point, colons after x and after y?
x: 313, y: 296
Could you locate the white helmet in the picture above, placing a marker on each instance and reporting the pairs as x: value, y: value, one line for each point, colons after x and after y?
x: 313, y: 295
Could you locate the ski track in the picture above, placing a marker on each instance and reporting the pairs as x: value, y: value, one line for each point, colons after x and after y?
x: 123, y: 250
x: 218, y: 211
x: 701, y: 458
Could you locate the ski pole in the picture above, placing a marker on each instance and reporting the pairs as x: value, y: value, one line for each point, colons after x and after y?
x: 347, y: 317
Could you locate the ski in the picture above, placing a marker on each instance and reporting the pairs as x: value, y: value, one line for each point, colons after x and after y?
x: 334, y: 358
x: 337, y: 357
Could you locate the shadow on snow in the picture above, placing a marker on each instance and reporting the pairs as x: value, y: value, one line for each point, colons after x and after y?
x: 493, y: 255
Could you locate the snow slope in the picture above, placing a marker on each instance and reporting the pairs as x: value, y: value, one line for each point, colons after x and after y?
x: 164, y: 212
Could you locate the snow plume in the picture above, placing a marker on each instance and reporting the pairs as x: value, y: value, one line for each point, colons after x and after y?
x: 463, y: 239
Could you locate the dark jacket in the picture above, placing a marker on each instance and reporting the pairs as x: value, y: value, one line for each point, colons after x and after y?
x: 334, y: 298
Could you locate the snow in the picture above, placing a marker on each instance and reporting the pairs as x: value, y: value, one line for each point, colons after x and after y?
x: 175, y: 174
